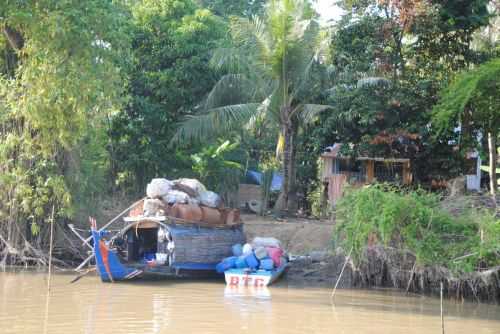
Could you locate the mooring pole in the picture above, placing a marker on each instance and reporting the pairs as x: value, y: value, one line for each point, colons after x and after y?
x: 332, y: 296
x: 442, y: 314
x: 51, y: 245
x: 47, y: 299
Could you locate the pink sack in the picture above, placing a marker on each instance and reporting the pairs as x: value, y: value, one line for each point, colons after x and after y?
x: 275, y: 254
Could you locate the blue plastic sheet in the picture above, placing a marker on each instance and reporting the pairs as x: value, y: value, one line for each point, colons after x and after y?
x: 256, y: 178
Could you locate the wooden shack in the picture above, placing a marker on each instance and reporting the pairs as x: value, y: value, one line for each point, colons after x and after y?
x: 339, y: 170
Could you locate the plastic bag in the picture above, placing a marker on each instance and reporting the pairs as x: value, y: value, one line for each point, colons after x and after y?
x: 237, y: 250
x: 161, y: 258
x: 158, y: 188
x: 175, y: 196
x: 210, y: 199
x: 247, y: 249
x: 152, y: 206
x: 266, y: 242
x: 260, y: 252
x: 192, y: 187
x: 275, y: 254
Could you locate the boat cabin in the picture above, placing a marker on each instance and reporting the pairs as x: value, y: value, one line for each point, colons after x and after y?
x: 168, y: 243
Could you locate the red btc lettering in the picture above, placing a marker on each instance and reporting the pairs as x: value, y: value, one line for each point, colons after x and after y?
x: 235, y: 280
x: 247, y: 280
x: 259, y: 282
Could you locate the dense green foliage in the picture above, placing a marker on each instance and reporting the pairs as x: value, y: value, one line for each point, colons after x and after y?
x: 388, y: 62
x: 214, y: 168
x: 169, y: 75
x: 473, y: 100
x: 414, y: 221
x: 225, y: 8
x: 99, y: 96
x: 60, y: 76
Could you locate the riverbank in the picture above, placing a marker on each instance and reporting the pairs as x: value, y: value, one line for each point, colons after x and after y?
x: 317, y: 264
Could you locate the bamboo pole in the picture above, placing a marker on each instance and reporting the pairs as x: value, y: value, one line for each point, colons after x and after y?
x: 442, y: 314
x: 72, y: 228
x: 84, y: 262
x: 47, y: 298
x: 51, y: 246
x: 332, y: 296
x: 115, y: 219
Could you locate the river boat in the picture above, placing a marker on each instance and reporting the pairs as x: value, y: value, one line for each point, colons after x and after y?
x: 162, y: 247
x: 253, y: 278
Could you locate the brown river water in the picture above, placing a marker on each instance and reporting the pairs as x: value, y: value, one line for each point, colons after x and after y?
x: 89, y: 306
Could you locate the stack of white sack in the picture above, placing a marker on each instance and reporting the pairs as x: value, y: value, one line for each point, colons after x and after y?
x: 187, y: 199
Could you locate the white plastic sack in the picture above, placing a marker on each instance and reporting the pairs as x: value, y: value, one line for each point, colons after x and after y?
x: 161, y: 258
x: 152, y: 206
x: 260, y: 253
x: 266, y: 242
x: 210, y: 199
x: 194, y: 187
x: 247, y: 249
x: 193, y: 201
x: 158, y: 188
x: 175, y: 196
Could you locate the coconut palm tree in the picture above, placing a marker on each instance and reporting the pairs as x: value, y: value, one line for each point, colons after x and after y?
x: 268, y: 80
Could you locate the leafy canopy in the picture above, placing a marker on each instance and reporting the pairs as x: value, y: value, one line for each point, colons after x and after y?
x: 169, y: 74
x: 268, y: 65
x: 477, y: 91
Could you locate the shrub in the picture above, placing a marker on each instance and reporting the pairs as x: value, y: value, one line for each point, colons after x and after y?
x: 413, y: 220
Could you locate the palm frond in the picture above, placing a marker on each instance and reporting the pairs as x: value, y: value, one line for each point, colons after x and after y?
x: 231, y: 89
x: 251, y: 36
x: 268, y: 112
x: 214, y: 122
x: 309, y: 112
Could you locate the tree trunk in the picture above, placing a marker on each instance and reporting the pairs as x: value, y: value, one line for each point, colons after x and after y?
x: 15, y: 39
x: 287, y: 155
x: 492, y: 147
x: 292, y: 204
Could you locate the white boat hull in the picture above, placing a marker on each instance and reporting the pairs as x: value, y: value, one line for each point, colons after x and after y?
x: 257, y: 278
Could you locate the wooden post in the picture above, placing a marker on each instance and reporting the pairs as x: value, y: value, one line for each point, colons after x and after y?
x: 51, y: 247
x: 332, y: 296
x: 407, y: 177
x: 492, y: 147
x: 370, y: 171
x: 442, y: 314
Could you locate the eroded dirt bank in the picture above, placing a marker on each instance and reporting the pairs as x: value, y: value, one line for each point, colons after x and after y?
x: 318, y: 264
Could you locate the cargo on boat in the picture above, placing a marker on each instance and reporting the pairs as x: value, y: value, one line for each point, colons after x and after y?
x: 256, y: 264
x: 179, y: 230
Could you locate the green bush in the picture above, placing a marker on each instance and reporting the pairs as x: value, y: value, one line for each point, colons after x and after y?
x: 413, y: 220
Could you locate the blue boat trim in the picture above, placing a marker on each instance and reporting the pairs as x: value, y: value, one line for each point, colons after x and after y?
x: 112, y: 268
x: 194, y: 266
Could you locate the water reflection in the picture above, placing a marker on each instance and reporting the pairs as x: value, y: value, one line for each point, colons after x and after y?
x: 92, y: 307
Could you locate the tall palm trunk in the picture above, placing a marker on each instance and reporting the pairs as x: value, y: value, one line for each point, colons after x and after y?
x: 287, y: 162
x: 492, y: 147
x: 289, y: 172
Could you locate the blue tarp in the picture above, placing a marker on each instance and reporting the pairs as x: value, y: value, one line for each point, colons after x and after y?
x: 256, y: 178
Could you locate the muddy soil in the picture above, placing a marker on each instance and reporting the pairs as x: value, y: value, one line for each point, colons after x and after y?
x: 316, y: 263
x: 298, y: 236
